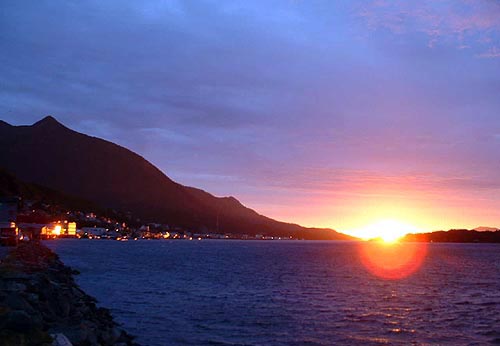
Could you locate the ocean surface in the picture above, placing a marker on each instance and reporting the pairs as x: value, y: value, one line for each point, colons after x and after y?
x: 221, y: 292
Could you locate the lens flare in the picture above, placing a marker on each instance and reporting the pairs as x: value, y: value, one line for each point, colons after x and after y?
x: 392, y: 260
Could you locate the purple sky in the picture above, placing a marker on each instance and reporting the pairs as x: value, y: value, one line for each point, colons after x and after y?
x: 321, y: 113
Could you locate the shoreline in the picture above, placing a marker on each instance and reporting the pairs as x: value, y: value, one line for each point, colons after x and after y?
x: 41, y: 304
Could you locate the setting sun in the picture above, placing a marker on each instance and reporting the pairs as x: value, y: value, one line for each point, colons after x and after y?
x: 387, y: 230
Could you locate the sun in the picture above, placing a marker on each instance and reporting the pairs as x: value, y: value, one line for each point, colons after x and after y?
x: 389, y: 258
x: 388, y: 231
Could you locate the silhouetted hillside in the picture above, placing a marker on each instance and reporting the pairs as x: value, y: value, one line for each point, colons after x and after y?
x: 485, y: 228
x: 50, y: 154
x: 11, y: 186
x: 456, y: 236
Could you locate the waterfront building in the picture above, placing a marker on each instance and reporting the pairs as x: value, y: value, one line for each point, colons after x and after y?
x: 8, y: 216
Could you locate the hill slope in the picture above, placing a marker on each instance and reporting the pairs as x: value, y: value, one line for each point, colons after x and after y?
x: 49, y: 154
x: 11, y: 186
x: 456, y: 236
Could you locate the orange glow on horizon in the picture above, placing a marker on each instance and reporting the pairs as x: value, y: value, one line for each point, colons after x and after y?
x: 359, y: 199
x: 387, y: 230
x: 392, y: 261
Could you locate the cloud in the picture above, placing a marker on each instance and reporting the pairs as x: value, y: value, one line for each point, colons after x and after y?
x: 335, y: 181
x: 277, y: 99
x: 493, y: 52
x: 462, y: 23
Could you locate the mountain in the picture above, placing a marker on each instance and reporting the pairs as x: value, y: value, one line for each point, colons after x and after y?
x: 11, y: 186
x: 455, y: 236
x: 49, y: 154
x: 483, y: 229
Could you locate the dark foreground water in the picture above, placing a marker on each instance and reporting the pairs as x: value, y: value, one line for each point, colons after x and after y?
x: 288, y: 293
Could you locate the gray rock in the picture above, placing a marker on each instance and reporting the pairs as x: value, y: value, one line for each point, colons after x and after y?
x: 43, y: 296
x: 61, y: 340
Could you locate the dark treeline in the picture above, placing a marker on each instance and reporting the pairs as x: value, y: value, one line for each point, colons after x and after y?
x: 456, y: 236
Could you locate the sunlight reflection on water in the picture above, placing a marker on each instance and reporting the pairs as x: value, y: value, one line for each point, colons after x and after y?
x: 288, y: 293
x: 392, y: 260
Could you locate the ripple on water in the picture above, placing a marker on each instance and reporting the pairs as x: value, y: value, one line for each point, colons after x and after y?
x: 288, y: 293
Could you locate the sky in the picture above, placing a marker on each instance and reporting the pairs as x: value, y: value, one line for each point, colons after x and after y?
x: 324, y: 113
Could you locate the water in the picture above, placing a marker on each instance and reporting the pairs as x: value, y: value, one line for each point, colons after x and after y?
x: 288, y: 293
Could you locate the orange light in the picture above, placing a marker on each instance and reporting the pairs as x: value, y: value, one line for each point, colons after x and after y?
x: 387, y: 230
x: 392, y: 260
x: 57, y: 230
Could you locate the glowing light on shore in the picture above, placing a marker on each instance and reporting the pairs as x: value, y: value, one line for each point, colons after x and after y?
x: 57, y: 230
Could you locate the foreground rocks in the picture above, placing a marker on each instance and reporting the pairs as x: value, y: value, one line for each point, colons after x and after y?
x: 39, y: 298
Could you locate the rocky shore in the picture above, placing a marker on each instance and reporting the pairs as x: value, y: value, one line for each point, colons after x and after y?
x: 40, y: 304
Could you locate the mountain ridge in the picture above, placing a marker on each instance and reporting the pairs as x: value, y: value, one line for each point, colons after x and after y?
x: 455, y: 236
x: 485, y: 228
x: 53, y: 155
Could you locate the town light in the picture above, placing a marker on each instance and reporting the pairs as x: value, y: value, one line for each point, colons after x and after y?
x: 57, y: 230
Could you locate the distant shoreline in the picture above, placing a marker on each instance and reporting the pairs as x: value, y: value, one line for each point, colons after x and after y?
x: 410, y: 238
x: 455, y: 236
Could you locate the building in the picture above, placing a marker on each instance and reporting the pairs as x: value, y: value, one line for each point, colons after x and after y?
x: 9, y: 233
x: 71, y: 229
x: 59, y: 230
x: 94, y: 232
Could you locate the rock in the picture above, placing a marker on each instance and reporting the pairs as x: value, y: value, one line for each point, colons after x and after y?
x: 19, y: 321
x: 64, y: 305
x: 60, y: 340
x: 77, y: 292
x: 38, y: 293
x: 13, y: 286
x: 16, y: 302
x: 115, y: 334
x: 14, y: 275
x: 32, y: 298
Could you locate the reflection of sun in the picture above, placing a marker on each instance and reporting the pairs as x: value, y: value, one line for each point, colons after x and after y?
x: 387, y: 230
x: 392, y: 260
x: 389, y: 258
